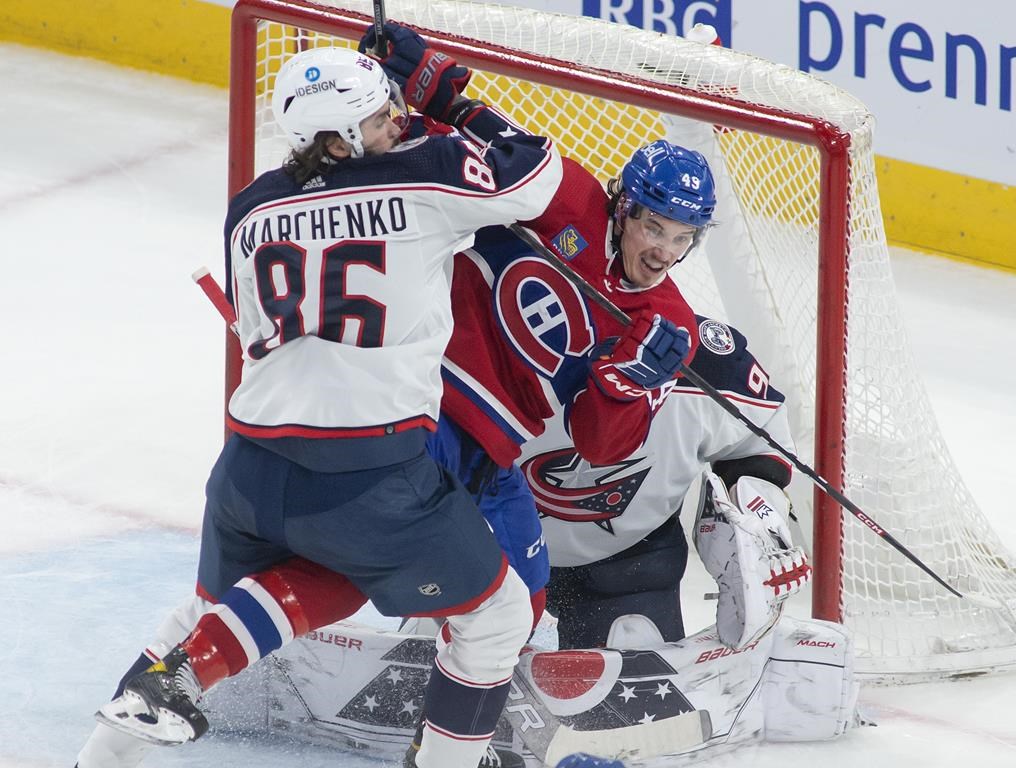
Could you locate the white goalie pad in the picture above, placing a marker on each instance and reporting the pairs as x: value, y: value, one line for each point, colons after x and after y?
x: 652, y: 702
x: 745, y: 545
x: 809, y: 689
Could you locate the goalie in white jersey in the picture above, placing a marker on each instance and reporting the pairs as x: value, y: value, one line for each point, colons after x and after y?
x: 340, y: 266
x: 613, y: 531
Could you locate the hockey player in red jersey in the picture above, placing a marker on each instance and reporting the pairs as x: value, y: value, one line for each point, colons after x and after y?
x: 540, y: 327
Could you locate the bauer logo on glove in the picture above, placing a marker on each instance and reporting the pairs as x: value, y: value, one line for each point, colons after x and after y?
x: 429, y: 79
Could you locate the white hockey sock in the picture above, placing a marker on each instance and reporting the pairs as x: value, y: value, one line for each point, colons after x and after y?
x: 108, y: 748
x: 441, y: 750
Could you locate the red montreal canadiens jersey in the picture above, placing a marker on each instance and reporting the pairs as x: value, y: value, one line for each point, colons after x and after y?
x: 523, y: 332
x: 342, y: 286
x: 591, y: 511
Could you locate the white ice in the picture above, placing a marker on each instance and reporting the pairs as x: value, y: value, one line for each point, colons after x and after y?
x: 112, y: 191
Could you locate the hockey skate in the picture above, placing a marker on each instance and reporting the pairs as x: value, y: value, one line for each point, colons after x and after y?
x: 159, y: 704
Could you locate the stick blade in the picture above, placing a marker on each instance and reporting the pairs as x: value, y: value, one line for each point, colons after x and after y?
x: 634, y: 742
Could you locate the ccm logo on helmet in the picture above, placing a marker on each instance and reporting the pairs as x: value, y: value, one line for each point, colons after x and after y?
x: 426, y: 76
x: 686, y: 204
x: 654, y: 150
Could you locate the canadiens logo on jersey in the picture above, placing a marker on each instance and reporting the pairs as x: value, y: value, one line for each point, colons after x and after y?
x: 543, y: 315
x: 593, y: 494
x: 569, y: 242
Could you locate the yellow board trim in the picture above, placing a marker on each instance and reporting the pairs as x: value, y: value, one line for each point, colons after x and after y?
x: 924, y: 208
x: 183, y: 38
x: 947, y: 213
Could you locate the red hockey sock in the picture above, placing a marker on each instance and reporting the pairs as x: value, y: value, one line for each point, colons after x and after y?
x: 214, y: 651
x: 263, y: 612
x: 539, y: 602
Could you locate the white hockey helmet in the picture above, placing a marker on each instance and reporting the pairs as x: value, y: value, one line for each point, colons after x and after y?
x: 329, y: 89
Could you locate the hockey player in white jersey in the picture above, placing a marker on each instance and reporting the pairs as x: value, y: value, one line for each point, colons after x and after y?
x: 616, y: 543
x: 340, y: 268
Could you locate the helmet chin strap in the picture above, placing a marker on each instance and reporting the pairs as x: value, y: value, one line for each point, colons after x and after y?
x: 354, y: 140
x: 615, y: 243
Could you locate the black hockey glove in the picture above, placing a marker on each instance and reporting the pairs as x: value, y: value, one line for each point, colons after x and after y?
x: 645, y: 357
x: 430, y: 80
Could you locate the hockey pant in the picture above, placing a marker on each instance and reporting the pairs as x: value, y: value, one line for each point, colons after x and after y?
x: 503, y: 496
x: 643, y: 579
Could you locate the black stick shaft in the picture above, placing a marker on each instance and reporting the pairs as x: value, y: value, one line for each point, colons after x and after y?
x: 380, y: 49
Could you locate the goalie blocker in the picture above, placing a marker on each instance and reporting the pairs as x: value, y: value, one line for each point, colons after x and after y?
x: 349, y: 685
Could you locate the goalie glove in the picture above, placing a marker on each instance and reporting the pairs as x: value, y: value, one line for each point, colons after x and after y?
x: 745, y: 544
x: 430, y: 80
x: 645, y: 357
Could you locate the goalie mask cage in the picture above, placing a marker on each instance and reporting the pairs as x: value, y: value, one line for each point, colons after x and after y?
x: 798, y: 261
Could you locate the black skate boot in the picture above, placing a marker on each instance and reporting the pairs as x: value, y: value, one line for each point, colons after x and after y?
x: 158, y: 705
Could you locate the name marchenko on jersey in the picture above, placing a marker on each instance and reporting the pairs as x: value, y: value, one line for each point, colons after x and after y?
x: 365, y: 218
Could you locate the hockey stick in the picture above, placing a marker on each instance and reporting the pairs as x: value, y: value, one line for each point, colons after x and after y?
x: 618, y: 314
x: 217, y: 296
x: 550, y: 740
x: 379, y: 29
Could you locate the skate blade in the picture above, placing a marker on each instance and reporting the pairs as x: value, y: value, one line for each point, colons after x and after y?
x: 168, y: 730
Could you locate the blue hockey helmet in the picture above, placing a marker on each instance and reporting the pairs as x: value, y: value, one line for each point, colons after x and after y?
x: 670, y: 180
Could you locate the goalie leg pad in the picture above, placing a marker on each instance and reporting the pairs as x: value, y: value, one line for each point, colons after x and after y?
x: 634, y: 630
x: 809, y: 687
x: 324, y: 680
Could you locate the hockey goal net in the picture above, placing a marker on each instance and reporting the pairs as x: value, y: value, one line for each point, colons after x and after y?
x: 799, y: 262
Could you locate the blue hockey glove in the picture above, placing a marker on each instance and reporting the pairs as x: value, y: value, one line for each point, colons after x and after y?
x: 430, y: 80
x: 645, y: 357
x: 583, y: 760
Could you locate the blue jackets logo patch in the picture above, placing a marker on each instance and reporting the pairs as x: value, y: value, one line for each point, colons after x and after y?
x: 716, y: 336
x: 569, y: 242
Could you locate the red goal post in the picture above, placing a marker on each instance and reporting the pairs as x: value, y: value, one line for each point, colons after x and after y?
x: 800, y: 242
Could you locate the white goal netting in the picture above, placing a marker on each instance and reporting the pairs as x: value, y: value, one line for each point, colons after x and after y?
x: 761, y: 272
